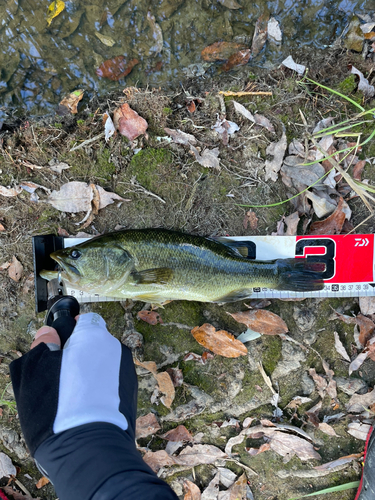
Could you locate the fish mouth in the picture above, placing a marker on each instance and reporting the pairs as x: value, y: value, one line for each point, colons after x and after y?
x: 66, y: 267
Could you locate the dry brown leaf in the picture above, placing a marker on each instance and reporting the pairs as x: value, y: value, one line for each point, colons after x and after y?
x: 15, y: 269
x: 2, y: 228
x: 209, y: 158
x: 28, y: 284
x: 163, y: 379
x: 243, y: 111
x: 237, y: 491
x: 71, y: 101
x: 146, y: 425
x: 340, y: 461
x: 128, y: 122
x: 180, y: 433
x: 219, y: 51
x: 288, y: 444
x: 261, y: 321
x: 176, y: 375
x: 357, y: 362
x: 292, y: 222
x: 10, y: 191
x: 359, y: 402
x: 255, y: 451
x: 366, y: 328
x: 239, y: 59
x: 340, y: 348
x: 150, y: 317
x: 332, y: 225
x: 367, y: 305
x: 199, y: 454
x: 359, y: 430
x: 158, y: 459
x: 260, y: 35
x: 322, y: 206
x: 320, y: 382
x: 42, y: 482
x: 357, y: 170
x: 180, y: 137
x: 192, y: 492
x: 250, y: 219
x: 327, y: 429
x: 265, y: 123
x: 4, y: 266
x: 191, y: 106
x: 116, y: 68
x: 220, y: 342
x: 277, y: 150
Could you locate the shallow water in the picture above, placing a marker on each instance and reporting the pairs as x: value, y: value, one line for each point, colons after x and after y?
x: 40, y: 63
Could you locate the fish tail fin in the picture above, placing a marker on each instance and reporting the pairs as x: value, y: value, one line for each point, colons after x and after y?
x: 299, y: 275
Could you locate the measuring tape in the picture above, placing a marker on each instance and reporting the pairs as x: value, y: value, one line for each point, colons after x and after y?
x: 349, y: 264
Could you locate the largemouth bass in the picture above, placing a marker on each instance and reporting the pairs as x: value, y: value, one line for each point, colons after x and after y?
x: 158, y: 265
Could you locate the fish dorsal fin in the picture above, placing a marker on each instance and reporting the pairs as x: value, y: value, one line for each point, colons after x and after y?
x: 158, y: 275
x: 244, y: 248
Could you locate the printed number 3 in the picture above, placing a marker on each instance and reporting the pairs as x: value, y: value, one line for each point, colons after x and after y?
x: 328, y: 258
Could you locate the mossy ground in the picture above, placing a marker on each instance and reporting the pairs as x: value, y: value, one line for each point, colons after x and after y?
x: 167, y: 188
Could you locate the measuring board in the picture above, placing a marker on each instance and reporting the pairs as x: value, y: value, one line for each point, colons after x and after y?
x: 348, y: 264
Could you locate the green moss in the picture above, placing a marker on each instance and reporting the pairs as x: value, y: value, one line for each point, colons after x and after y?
x: 348, y: 85
x: 167, y: 111
x: 271, y: 353
x: 58, y: 125
x: 80, y: 122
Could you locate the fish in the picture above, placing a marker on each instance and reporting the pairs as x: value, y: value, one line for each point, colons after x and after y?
x: 160, y: 265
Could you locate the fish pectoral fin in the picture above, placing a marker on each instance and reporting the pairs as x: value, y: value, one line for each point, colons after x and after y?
x: 157, y: 276
x: 234, y: 296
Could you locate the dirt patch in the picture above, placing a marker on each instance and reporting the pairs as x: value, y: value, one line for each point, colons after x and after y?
x: 168, y: 188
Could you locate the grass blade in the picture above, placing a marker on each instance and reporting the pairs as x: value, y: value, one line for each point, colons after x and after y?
x: 338, y: 93
x: 333, y: 489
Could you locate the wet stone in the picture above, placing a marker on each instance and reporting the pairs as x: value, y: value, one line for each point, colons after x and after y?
x: 351, y: 385
x: 307, y: 384
x: 292, y: 357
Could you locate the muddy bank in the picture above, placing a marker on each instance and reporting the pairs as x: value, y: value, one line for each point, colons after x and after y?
x: 167, y: 187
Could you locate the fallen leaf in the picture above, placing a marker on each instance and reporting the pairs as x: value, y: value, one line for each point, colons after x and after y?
x: 357, y: 362
x: 77, y: 196
x: 277, y: 150
x: 327, y: 429
x: 150, y: 317
x: 237, y: 491
x: 192, y: 492
x: 146, y: 425
x: 367, y: 305
x: 243, y: 111
x: 230, y: 4
x: 322, y: 207
x: 292, y: 222
x: 209, y: 157
x: 358, y: 402
x: 256, y: 451
x: 71, y: 101
x: 180, y: 137
x: 340, y: 348
x: 109, y: 127
x: 219, y: 51
x: 58, y: 166
x: 220, y: 342
x: 190, y: 106
x: 212, y: 490
x: 279, y: 228
x: 289, y: 63
x: 158, y: 459
x: 4, y: 266
x: 250, y: 219
x: 294, y: 168
x: 176, y: 375
x: 359, y: 430
x: 7, y: 468
x: 163, y: 379
x: 2, y: 228
x: 200, y: 454
x: 54, y: 9
x: 364, y: 86
x: 366, y: 328
x: 340, y: 461
x: 274, y: 31
x: 332, y: 225
x: 42, y: 482
x: 239, y: 59
x: 357, y: 170
x: 15, y: 495
x: 261, y: 321
x: 320, y: 382
x: 260, y: 35
x: 192, y: 356
x: 265, y: 123
x: 106, y: 40
x: 15, y: 270
x: 128, y: 122
x: 288, y: 444
x: 10, y: 191
x: 180, y: 433
x: 28, y: 284
x: 116, y: 68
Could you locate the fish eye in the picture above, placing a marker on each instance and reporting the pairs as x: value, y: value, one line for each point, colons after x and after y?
x: 74, y: 254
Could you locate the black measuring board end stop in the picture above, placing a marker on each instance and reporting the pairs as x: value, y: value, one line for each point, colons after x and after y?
x: 43, y: 246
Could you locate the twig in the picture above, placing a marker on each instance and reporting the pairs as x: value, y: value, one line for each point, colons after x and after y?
x: 266, y: 378
x: 89, y: 141
x: 22, y: 487
x: 243, y: 466
x: 135, y: 183
x: 239, y: 94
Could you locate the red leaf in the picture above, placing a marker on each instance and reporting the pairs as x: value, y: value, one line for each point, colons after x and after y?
x: 150, y: 317
x: 239, y: 59
x: 128, y: 122
x: 116, y: 68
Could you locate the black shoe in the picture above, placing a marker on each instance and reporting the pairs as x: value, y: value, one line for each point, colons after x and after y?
x: 366, y: 490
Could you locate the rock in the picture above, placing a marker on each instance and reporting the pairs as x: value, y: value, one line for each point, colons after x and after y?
x: 355, y: 37
x: 308, y: 385
x: 351, y: 385
x: 167, y: 7
x: 292, y: 357
x: 14, y: 443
